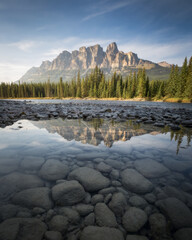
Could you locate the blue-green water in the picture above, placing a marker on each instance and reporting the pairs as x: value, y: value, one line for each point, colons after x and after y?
x: 160, y: 156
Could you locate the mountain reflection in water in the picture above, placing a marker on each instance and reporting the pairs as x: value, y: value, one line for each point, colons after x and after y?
x: 108, y: 131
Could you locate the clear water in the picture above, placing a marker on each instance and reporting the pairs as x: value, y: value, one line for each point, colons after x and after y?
x: 78, y: 143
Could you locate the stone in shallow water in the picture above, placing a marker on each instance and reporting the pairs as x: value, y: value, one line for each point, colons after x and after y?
x: 83, y: 209
x: 90, y: 220
x: 114, y: 163
x: 178, y: 166
x: 8, y: 164
x: 15, y: 182
x: 22, y: 229
x: 179, y: 214
x: 135, y: 182
x: 71, y: 214
x: 138, y: 202
x: 103, y: 167
x: 150, y: 168
x: 68, y: 193
x: 158, y: 225
x: 134, y: 219
x: 53, y: 235
x: 118, y: 203
x: 53, y: 170
x: 97, y: 198
x: 104, y: 216
x: 34, y: 197
x: 58, y: 223
x: 183, y: 234
x: 136, y: 237
x: 32, y: 163
x: 91, y: 179
x: 98, y: 233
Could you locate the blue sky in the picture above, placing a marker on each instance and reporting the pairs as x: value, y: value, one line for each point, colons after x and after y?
x: 35, y: 30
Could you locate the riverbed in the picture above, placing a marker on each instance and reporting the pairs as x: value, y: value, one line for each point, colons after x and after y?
x: 93, y: 170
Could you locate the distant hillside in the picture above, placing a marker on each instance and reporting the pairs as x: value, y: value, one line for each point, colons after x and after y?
x: 67, y: 64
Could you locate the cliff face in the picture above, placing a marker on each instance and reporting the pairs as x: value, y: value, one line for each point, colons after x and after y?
x: 67, y: 64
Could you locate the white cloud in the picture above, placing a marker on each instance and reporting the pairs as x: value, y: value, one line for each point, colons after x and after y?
x: 10, y: 72
x: 25, y: 45
x: 106, y: 9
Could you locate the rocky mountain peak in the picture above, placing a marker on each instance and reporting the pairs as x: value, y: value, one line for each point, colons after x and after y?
x: 67, y: 64
x: 112, y: 48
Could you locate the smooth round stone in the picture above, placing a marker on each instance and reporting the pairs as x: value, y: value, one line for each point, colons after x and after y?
x: 183, y: 234
x: 68, y: 193
x: 15, y: 182
x: 83, y: 209
x: 136, y: 237
x: 150, y: 168
x: 98, y: 233
x: 104, y: 216
x: 53, y: 170
x: 58, y: 223
x: 134, y: 219
x: 179, y: 214
x: 118, y: 203
x: 91, y: 179
x: 32, y: 163
x: 97, y: 198
x: 135, y: 182
x: 90, y: 220
x: 28, y: 228
x: 53, y: 235
x: 103, y: 167
x: 34, y: 197
x: 158, y: 224
x: 71, y: 214
x: 138, y: 202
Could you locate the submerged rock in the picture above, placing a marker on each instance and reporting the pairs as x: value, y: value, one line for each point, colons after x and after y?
x: 134, y: 219
x: 91, y: 179
x: 34, y: 197
x: 135, y: 182
x: 104, y: 216
x: 118, y: 203
x: 68, y: 193
x: 179, y: 214
x: 150, y: 168
x: 98, y: 233
x: 53, y: 170
x: 15, y: 182
x: 183, y: 234
x: 22, y: 229
x: 58, y: 223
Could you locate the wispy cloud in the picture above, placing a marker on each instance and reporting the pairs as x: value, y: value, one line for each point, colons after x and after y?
x: 10, y: 72
x: 107, y: 8
x: 25, y: 45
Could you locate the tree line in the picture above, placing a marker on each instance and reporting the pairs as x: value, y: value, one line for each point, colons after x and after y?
x: 97, y: 85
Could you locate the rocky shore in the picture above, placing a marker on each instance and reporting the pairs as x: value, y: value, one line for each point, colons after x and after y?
x: 12, y: 111
x: 89, y: 194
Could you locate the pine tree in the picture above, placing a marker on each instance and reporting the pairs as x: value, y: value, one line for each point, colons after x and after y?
x: 182, y: 80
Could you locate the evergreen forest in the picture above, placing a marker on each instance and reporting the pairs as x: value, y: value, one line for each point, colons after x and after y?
x: 96, y: 85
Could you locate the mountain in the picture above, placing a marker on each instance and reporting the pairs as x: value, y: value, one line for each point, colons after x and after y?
x: 66, y: 64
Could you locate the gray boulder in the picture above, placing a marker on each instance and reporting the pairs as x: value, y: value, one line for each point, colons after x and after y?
x: 58, y: 223
x: 53, y: 170
x: 32, y: 163
x: 25, y: 228
x: 71, y: 214
x: 179, y: 214
x: 138, y: 202
x: 53, y: 235
x: 15, y: 182
x: 134, y: 219
x: 183, y: 234
x: 91, y: 179
x: 98, y: 233
x: 150, y: 168
x: 34, y: 197
x: 104, y: 216
x: 136, y: 237
x: 135, y: 182
x: 68, y: 193
x: 83, y: 209
x: 118, y: 203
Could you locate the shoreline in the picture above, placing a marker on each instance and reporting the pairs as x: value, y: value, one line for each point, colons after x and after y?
x: 169, y: 100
